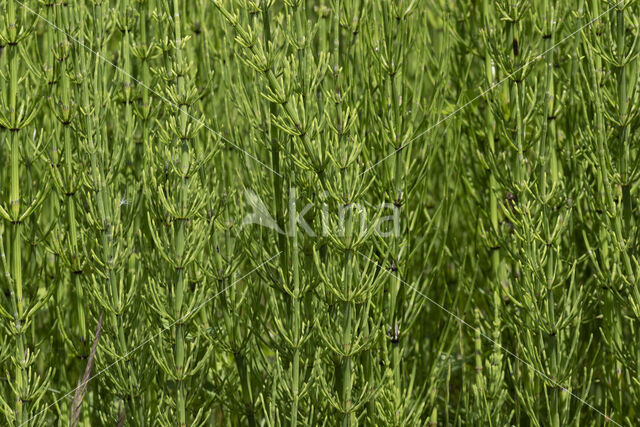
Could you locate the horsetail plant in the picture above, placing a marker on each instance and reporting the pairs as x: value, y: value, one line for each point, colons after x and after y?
x: 176, y: 197
x: 22, y: 299
x: 319, y: 212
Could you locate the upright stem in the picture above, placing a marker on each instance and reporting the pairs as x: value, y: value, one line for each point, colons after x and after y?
x: 349, y: 418
x: 48, y: 123
x: 21, y: 379
x: 180, y: 236
x: 623, y: 132
x: 347, y: 309
x: 623, y: 223
x: 546, y: 155
x: 490, y: 139
x: 69, y: 181
x: 271, y: 136
x: 295, y: 312
x: 496, y: 262
x: 398, y: 194
x: 127, y: 89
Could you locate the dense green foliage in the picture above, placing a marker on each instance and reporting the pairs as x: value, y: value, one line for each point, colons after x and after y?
x: 319, y: 212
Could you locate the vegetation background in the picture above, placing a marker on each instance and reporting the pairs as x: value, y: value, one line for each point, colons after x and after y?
x: 489, y: 148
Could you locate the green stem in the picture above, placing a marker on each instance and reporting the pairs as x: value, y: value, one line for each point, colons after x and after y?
x: 546, y: 155
x: 296, y: 323
x: 623, y: 131
x: 490, y: 139
x: 21, y: 380
x: 349, y: 418
x: 180, y: 238
x: 271, y: 136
